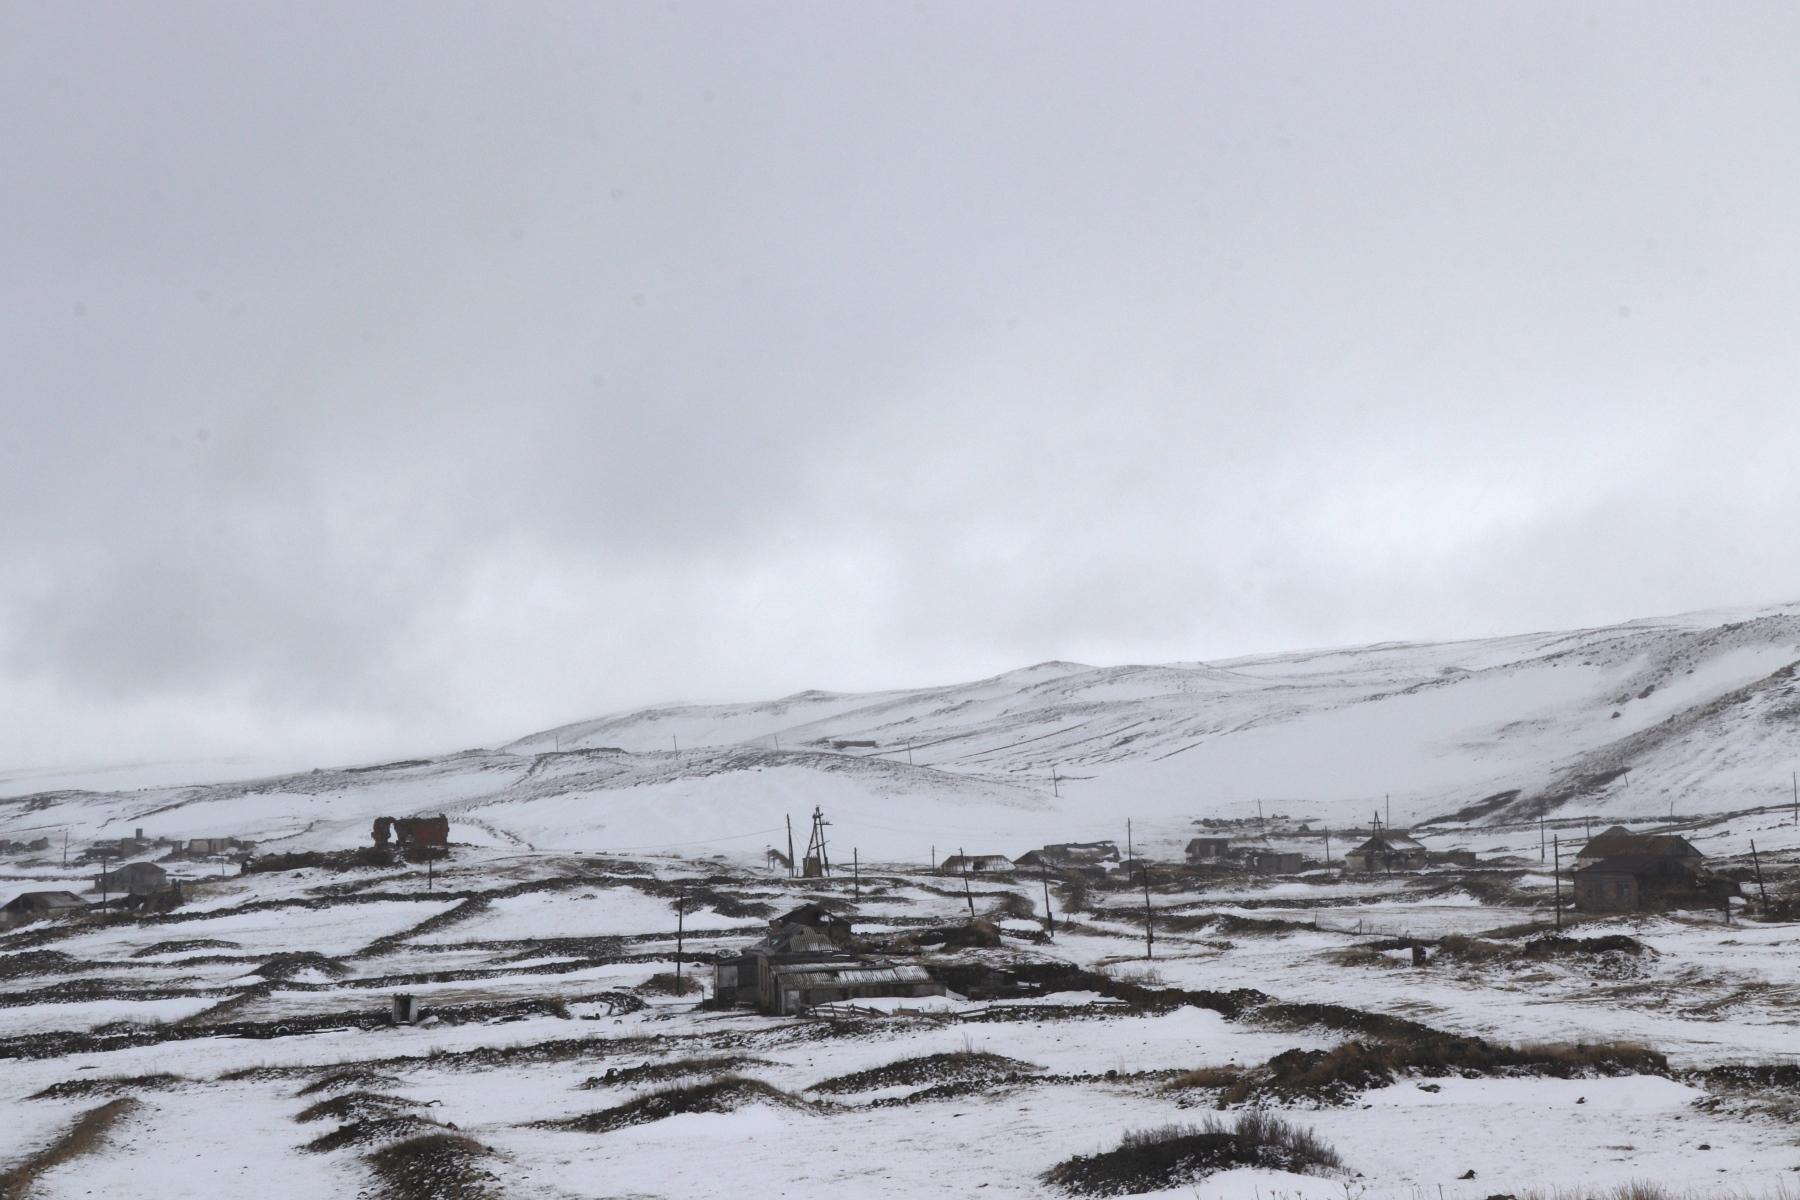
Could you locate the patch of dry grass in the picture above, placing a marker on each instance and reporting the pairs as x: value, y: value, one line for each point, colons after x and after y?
x: 83, y: 1137
x: 667, y: 983
x: 725, y: 1094
x: 433, y: 1166
x: 1177, y: 1155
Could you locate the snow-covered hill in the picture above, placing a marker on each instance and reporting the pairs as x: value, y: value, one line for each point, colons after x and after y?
x: 1691, y: 714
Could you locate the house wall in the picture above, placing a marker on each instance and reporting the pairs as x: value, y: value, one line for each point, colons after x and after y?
x: 1608, y: 893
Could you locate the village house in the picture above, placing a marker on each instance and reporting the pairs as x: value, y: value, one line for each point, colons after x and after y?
x: 803, y: 963
x: 136, y: 878
x: 976, y: 864
x: 1208, y: 849
x: 1648, y: 883
x: 1064, y: 856
x: 31, y: 906
x: 1620, y: 871
x: 1385, y: 853
x: 218, y: 845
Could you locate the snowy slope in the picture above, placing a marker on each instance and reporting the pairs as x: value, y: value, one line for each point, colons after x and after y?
x: 1698, y: 713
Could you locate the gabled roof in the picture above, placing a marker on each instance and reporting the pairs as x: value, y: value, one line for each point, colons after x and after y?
x: 47, y: 900
x: 1618, y: 840
x: 1397, y: 843
x: 1633, y: 864
x: 137, y: 868
x: 816, y: 915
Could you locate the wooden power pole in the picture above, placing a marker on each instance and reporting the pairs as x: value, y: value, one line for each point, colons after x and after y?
x: 1149, y: 937
x: 1558, y: 877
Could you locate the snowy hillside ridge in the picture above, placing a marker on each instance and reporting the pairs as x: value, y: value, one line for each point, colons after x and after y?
x: 1651, y: 718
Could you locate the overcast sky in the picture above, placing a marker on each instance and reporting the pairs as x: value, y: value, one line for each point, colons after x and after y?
x: 387, y: 378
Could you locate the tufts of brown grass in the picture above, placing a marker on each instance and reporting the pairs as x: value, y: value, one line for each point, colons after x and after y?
x: 374, y: 1129
x: 956, y: 1066
x: 433, y: 1166
x: 725, y: 1094
x: 667, y: 983
x: 80, y: 1089
x: 83, y: 1137
x: 681, y: 1068
x: 1178, y: 1155
x: 1338, y: 1075
x: 1205, y: 1077
x: 356, y: 1106
x: 349, y: 1079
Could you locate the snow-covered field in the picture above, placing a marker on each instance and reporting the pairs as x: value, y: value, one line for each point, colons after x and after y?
x: 537, y: 979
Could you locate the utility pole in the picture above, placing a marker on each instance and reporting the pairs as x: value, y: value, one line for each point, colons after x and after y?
x: 815, y: 846
x: 1055, y: 790
x: 1128, y: 854
x: 856, y: 871
x: 909, y: 761
x: 103, y: 881
x: 1540, y: 837
x: 1327, y: 847
x: 968, y: 895
x: 1149, y: 937
x: 1757, y: 863
x: 675, y: 742
x: 1796, y: 798
x: 1390, y: 809
x: 430, y: 870
x: 1049, y: 917
x: 790, y: 825
x: 65, y: 846
x: 680, y: 935
x: 1558, y: 878
x: 1262, y: 822
x: 933, y: 864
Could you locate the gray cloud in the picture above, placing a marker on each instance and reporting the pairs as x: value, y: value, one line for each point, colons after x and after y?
x: 397, y: 378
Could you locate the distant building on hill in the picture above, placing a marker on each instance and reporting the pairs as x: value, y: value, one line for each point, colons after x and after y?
x: 1384, y: 853
x: 1064, y: 856
x: 976, y: 864
x: 412, y: 833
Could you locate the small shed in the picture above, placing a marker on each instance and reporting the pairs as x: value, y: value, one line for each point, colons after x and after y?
x: 138, y: 878
x: 1277, y: 862
x: 976, y: 864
